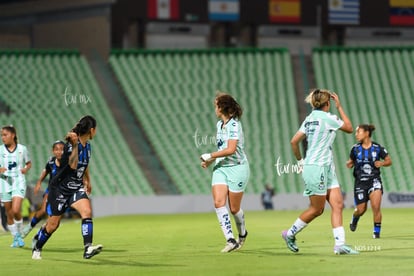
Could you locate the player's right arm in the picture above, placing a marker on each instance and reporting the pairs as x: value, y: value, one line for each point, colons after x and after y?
x: 347, y: 126
x: 39, y: 181
x: 72, y: 137
x: 351, y: 161
x: 294, y: 142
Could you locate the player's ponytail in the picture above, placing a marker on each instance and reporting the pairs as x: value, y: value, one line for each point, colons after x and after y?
x: 84, y: 125
x: 318, y: 98
x: 367, y: 127
x: 228, y: 105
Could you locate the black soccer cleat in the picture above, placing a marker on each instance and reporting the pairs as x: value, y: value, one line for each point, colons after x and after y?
x: 92, y: 250
x: 352, y: 227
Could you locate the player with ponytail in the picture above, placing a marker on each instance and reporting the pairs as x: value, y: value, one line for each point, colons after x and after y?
x: 321, y: 184
x: 70, y: 188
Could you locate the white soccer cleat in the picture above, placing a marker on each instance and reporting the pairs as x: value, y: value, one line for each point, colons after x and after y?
x: 36, y: 254
x: 242, y: 240
x: 230, y: 246
x: 92, y: 250
x: 345, y: 250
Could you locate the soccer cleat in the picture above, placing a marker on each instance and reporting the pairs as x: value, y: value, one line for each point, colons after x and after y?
x: 26, y: 230
x: 15, y: 243
x: 241, y: 240
x: 376, y: 235
x: 344, y: 250
x: 36, y: 254
x: 92, y: 250
x: 230, y: 246
x: 353, y: 226
x: 290, y: 242
x: 20, y: 241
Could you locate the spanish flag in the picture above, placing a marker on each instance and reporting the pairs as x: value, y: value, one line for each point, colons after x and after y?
x: 402, y: 12
x: 284, y: 11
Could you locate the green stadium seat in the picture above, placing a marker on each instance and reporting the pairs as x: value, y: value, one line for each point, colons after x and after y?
x: 180, y: 86
x: 34, y: 86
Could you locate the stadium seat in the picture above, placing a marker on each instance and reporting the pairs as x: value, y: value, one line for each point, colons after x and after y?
x: 33, y: 86
x: 172, y: 94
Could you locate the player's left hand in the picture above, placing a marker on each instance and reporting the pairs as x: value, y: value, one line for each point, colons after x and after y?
x: 205, y: 164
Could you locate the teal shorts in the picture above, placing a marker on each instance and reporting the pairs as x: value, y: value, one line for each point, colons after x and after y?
x: 235, y: 177
x: 12, y: 186
x: 318, y: 179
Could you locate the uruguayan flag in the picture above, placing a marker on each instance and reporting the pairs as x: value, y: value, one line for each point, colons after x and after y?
x: 344, y: 12
x: 224, y: 10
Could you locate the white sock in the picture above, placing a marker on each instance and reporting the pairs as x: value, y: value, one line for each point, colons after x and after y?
x: 339, y: 235
x: 19, y: 225
x: 296, y: 227
x: 240, y: 223
x: 12, y: 229
x: 225, y: 223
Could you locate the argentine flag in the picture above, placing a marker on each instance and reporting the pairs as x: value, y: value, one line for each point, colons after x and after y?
x: 224, y: 10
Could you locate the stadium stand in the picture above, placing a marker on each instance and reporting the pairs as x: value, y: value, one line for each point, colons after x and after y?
x: 46, y: 92
x: 172, y: 92
x: 375, y: 85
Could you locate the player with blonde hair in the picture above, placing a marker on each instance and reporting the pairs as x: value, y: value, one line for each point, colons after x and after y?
x: 321, y: 184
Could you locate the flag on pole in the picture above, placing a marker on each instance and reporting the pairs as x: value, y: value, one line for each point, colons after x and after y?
x: 163, y: 9
x: 343, y: 12
x: 224, y: 10
x: 402, y: 12
x: 284, y: 11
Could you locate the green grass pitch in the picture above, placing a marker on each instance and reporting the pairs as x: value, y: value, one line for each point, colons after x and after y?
x: 190, y: 244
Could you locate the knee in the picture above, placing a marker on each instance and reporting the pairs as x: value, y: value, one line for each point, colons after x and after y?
x: 86, y: 213
x: 51, y: 226
x: 219, y: 203
x: 234, y: 210
x: 317, y: 211
x: 360, y: 210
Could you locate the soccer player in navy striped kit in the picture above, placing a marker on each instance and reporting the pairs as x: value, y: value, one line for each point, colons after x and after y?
x: 367, y: 157
x: 51, y: 168
x: 70, y: 188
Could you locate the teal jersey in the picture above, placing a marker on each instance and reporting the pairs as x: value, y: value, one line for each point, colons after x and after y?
x: 231, y: 131
x: 14, y: 161
x: 320, y: 129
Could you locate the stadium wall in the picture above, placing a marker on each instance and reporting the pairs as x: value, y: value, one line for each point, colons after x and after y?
x: 170, y: 204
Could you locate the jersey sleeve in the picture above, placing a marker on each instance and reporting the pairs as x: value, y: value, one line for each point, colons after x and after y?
x: 302, y: 127
x: 67, y: 150
x: 26, y: 155
x: 383, y: 152
x: 334, y: 122
x: 352, y: 154
x: 233, y: 130
x: 47, y: 168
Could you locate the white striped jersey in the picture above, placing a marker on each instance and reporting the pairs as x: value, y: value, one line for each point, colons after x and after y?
x: 14, y: 161
x: 320, y: 129
x: 231, y: 131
